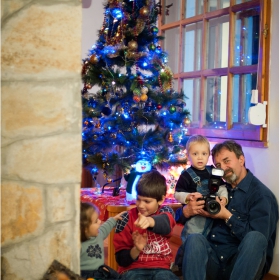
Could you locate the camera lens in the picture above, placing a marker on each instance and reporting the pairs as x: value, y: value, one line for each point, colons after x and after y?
x: 213, y: 207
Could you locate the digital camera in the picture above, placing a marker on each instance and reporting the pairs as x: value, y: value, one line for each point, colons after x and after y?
x: 211, y: 205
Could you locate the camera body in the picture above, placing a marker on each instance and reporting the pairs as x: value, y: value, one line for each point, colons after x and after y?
x: 211, y: 205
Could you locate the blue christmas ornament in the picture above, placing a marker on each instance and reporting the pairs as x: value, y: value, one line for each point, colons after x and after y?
x: 92, y: 103
x: 106, y: 111
x: 158, y: 50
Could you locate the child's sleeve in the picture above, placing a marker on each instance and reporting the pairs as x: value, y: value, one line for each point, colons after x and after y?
x: 181, y: 196
x: 164, y: 221
x: 106, y: 228
x: 223, y: 191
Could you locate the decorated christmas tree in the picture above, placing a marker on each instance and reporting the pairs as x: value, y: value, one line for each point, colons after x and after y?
x: 130, y: 109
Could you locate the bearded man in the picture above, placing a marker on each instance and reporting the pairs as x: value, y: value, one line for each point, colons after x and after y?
x: 240, y: 244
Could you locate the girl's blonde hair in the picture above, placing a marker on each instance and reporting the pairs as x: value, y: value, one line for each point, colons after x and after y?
x: 194, y: 139
x: 87, y: 209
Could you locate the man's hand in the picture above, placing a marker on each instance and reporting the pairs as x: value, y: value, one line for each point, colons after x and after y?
x: 193, y: 207
x: 223, y: 214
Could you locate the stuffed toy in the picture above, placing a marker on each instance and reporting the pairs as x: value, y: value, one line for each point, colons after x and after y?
x: 142, y: 165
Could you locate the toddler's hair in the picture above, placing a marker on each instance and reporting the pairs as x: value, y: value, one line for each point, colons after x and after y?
x: 87, y: 209
x: 152, y: 184
x: 194, y: 139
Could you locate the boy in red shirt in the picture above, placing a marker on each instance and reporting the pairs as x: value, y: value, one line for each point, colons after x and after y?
x: 141, y: 238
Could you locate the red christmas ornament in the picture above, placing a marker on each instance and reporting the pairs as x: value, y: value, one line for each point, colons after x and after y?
x: 136, y: 98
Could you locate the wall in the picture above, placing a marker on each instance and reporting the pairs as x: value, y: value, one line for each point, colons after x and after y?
x: 257, y: 160
x: 41, y: 136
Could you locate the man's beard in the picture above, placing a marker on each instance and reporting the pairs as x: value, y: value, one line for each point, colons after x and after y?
x: 232, y: 178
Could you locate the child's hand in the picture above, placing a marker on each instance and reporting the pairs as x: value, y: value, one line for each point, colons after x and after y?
x: 193, y: 196
x: 144, y: 222
x: 118, y: 216
x: 223, y: 201
x: 139, y: 240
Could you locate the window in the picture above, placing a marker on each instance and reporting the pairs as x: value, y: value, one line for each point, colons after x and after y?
x: 218, y: 52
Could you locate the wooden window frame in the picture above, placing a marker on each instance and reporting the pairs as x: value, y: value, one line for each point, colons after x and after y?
x: 255, y: 136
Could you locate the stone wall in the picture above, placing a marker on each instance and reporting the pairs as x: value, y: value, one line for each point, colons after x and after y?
x: 41, y: 136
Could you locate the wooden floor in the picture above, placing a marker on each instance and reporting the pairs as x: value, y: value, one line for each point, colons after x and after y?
x: 174, y: 248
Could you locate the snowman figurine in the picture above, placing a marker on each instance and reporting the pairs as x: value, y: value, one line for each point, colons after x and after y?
x: 142, y: 165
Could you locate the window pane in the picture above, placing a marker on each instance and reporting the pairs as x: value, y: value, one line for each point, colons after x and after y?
x: 191, y: 89
x: 217, y: 4
x: 241, y: 97
x: 171, y: 13
x: 216, y: 100
x: 218, y: 40
x: 171, y: 46
x: 193, y: 8
x: 246, y: 46
x: 192, y: 47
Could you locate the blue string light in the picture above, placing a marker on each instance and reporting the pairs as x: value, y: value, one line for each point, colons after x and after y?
x: 117, y: 13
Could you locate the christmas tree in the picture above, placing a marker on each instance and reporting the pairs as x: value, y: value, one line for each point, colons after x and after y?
x: 130, y: 108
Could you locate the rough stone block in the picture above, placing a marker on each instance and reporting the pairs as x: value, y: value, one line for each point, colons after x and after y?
x: 31, y: 109
x: 9, y: 7
x: 22, y: 211
x: 42, y: 40
x: 30, y: 260
x: 60, y: 201
x: 54, y: 159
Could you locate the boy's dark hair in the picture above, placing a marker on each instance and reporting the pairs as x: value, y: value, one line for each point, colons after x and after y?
x: 230, y: 145
x: 86, y: 211
x: 152, y: 184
